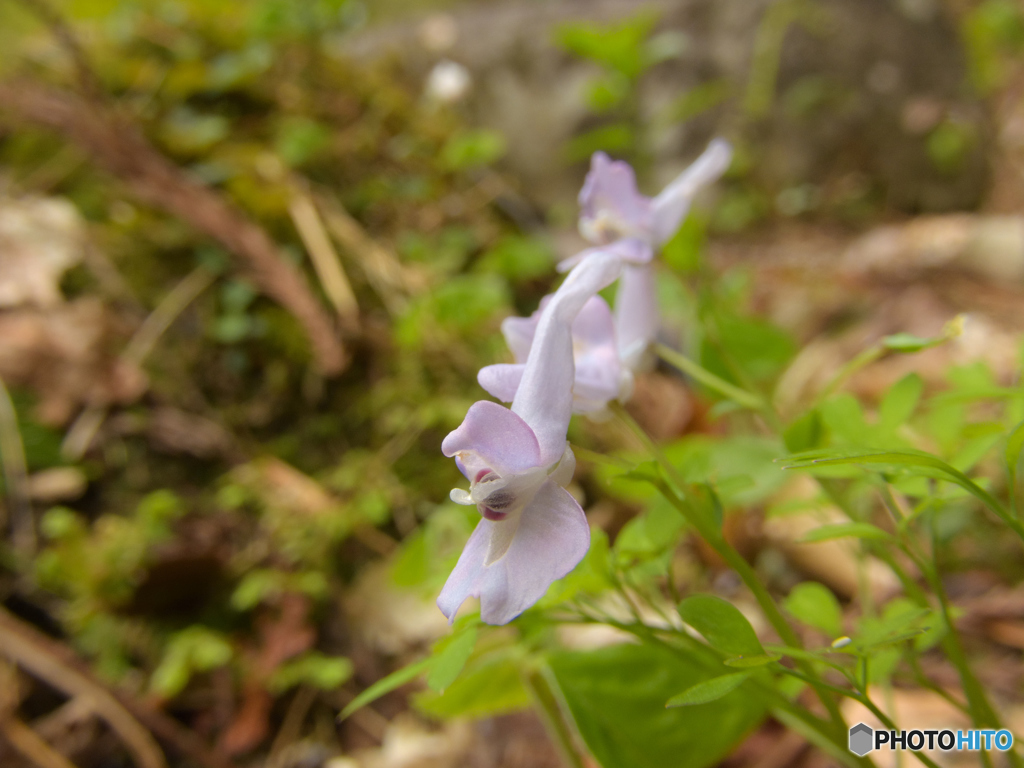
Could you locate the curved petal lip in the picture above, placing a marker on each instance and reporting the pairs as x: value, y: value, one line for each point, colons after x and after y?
x: 611, y: 186
x: 502, y: 440
x: 552, y: 538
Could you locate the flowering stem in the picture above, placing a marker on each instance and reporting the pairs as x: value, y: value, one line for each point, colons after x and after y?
x: 542, y: 691
x: 817, y: 731
x: 980, y: 709
x: 710, y: 533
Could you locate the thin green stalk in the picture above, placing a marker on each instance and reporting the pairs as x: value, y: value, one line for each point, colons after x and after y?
x: 725, y: 550
x: 711, y: 381
x: 865, y: 358
x: 818, y: 731
x: 926, y: 682
x: 978, y: 707
x: 982, y: 713
x: 837, y: 751
x: 545, y: 700
x: 862, y: 698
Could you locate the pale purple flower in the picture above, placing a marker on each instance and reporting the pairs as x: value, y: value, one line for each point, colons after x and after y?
x: 600, y: 377
x: 518, y: 463
x: 618, y: 219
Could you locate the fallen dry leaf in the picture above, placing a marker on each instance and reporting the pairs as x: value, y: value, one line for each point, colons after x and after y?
x: 65, y: 356
x: 40, y: 238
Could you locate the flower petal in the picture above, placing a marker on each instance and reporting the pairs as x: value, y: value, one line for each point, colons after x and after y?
x: 609, y: 192
x: 501, y: 381
x: 673, y: 203
x: 632, y: 250
x: 501, y: 439
x: 519, y: 332
x: 636, y: 313
x: 550, y: 540
x: 544, y: 397
x: 598, y: 370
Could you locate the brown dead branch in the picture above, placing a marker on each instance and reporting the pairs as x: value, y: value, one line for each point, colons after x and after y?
x: 31, y: 745
x: 34, y: 653
x: 60, y: 668
x: 85, y: 427
x: 118, y: 146
x: 85, y: 76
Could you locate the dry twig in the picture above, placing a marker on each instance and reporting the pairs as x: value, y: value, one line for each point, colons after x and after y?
x: 381, y: 267
x: 86, y: 78
x: 31, y: 745
x: 325, y: 259
x: 12, y: 452
x: 33, y: 652
x: 82, y: 432
x: 119, y: 147
x: 60, y: 668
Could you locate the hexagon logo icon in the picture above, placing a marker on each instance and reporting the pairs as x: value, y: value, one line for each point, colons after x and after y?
x: 862, y: 739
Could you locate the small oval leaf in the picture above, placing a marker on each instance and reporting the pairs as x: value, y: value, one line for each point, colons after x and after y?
x: 709, y: 690
x: 721, y: 624
x: 844, y: 530
x: 816, y: 606
x: 450, y: 657
x: 387, y: 684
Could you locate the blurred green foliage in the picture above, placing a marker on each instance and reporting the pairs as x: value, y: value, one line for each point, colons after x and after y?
x: 316, y: 480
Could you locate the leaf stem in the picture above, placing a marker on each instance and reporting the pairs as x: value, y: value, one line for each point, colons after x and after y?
x: 711, y: 381
x: 728, y: 553
x: 545, y: 700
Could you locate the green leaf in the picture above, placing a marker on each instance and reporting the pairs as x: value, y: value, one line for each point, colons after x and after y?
x: 396, y: 679
x: 617, y: 137
x: 900, y: 401
x: 255, y: 586
x: 195, y: 649
x: 653, y: 531
x: 1014, y: 444
x: 816, y: 606
x: 915, y: 462
x: 745, y: 662
x: 645, y: 472
x: 721, y: 624
x: 802, y: 653
x: 171, y: 676
x: 761, y: 348
x: 617, y: 696
x: 683, y: 250
x: 473, y: 149
x: 312, y: 668
x: 618, y: 46
x: 518, y: 258
x: 906, y: 342
x: 299, y: 139
x: 844, y: 417
x: 804, y: 433
x: 846, y: 530
x: 592, y: 576
x: 901, y: 620
x: 490, y: 686
x: 450, y: 656
x: 709, y: 690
